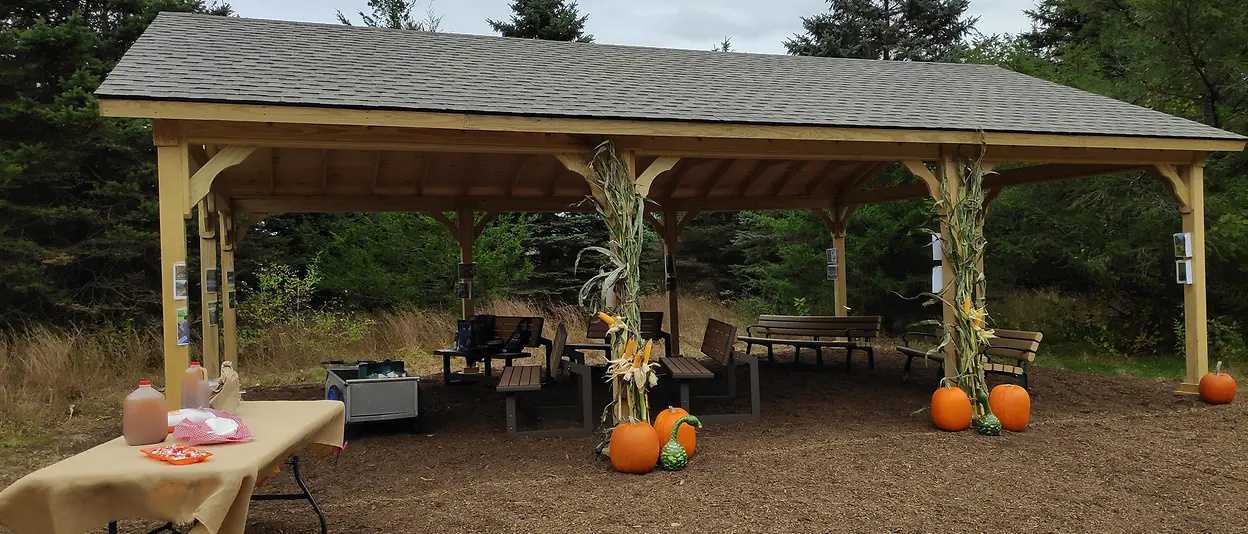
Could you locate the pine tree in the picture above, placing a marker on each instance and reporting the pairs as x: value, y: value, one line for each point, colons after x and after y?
x: 78, y: 215
x: 397, y: 14
x: 914, y: 30
x: 552, y: 20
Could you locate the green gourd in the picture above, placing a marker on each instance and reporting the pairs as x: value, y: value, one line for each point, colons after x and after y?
x: 988, y: 425
x: 673, y: 456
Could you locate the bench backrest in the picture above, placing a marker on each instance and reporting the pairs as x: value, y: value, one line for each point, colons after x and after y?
x: 821, y: 326
x: 718, y: 340
x: 1014, y: 344
x: 505, y: 325
x: 554, y: 358
x: 651, y: 325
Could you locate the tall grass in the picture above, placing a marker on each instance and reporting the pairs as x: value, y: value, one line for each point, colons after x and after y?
x: 61, y: 380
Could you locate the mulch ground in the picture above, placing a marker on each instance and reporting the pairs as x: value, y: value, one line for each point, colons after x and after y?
x: 835, y: 452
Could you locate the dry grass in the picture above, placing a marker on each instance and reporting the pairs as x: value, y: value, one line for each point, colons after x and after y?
x: 54, y: 382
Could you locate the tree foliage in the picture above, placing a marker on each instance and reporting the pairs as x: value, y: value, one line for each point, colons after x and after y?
x: 397, y: 14
x: 915, y: 30
x: 551, y: 20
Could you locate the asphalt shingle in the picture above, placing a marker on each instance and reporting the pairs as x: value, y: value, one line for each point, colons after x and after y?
x: 189, y: 57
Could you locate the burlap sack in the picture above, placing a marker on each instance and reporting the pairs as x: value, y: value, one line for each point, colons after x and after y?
x: 227, y: 394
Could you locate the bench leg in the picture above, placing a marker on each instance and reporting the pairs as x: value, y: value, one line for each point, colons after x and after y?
x: 1022, y: 379
x: 797, y: 355
x: 446, y: 370
x: 511, y: 414
x: 684, y: 394
x: 756, y: 405
x: 819, y: 356
x: 487, y: 366
x: 849, y: 360
x: 871, y: 357
x: 905, y: 374
x: 732, y: 379
x: 771, y: 354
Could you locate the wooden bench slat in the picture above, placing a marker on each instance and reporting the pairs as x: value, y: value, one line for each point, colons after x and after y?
x: 520, y: 378
x: 1019, y: 334
x: 683, y: 368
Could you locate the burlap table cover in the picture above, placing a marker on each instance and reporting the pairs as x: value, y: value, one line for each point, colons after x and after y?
x: 115, y: 481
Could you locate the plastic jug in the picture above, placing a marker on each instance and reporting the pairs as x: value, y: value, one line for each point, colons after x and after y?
x: 195, y: 388
x: 144, y: 420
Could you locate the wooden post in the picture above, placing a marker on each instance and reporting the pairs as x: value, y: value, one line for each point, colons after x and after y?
x: 173, y: 169
x: 209, y: 274
x: 671, y: 232
x: 948, y: 175
x: 1194, y: 313
x: 228, y: 239
x: 466, y: 236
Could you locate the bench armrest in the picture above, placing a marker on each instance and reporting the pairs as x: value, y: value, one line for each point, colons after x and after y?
x: 749, y: 331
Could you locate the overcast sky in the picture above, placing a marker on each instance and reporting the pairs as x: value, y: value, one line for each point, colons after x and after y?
x: 754, y: 25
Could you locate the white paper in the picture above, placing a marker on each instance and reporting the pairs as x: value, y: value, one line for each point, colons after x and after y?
x: 936, y: 253
x: 938, y: 279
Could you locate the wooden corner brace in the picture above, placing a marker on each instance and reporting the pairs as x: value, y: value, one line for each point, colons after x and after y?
x: 1169, y: 176
x: 201, y: 181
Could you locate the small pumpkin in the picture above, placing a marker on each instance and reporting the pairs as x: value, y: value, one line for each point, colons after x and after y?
x: 686, y: 436
x: 673, y: 456
x: 1217, y: 387
x: 1011, y: 405
x: 951, y: 408
x: 988, y: 425
x: 634, y: 447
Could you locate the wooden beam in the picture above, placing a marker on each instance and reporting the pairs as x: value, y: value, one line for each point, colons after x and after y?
x: 525, y: 159
x: 714, y: 179
x: 1195, y: 312
x: 684, y: 221
x: 862, y: 177
x: 656, y: 223
x: 272, y: 171
x: 749, y: 203
x: 467, y: 237
x: 172, y: 177
x: 1168, y: 175
x: 1054, y: 172
x: 750, y: 179
x: 920, y: 170
x: 827, y: 219
x: 788, y: 176
x: 209, y: 274
x: 381, y: 203
x: 227, y: 239
x: 376, y: 172
x: 251, y: 220
x: 481, y: 224
x: 199, y: 155
x: 657, y: 167
x: 201, y: 182
x: 446, y: 222
x: 201, y: 111
x: 821, y: 179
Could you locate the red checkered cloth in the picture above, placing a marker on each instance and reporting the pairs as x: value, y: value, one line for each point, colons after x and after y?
x: 197, y: 433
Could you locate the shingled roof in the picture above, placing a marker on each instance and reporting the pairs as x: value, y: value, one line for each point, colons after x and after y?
x: 202, y: 58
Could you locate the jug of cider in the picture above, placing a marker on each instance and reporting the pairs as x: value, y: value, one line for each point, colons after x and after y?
x: 144, y: 420
x: 195, y: 388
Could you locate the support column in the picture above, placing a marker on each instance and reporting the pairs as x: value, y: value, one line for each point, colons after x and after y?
x: 173, y: 170
x: 1195, y: 320
x: 948, y: 177
x: 467, y: 237
x: 228, y: 239
x: 209, y: 274
x: 671, y: 232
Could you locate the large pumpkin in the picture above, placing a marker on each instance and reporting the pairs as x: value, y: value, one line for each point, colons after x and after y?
x: 1012, y: 405
x: 1217, y: 387
x: 687, y: 436
x: 634, y: 447
x: 951, y: 408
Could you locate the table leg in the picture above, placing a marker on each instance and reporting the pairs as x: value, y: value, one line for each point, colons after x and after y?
x: 446, y: 369
x: 305, y: 495
x: 488, y: 372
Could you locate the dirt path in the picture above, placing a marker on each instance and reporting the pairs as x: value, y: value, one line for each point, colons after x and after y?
x: 836, y: 452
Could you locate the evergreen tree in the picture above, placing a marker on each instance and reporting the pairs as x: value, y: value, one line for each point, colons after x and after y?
x: 914, y: 30
x: 397, y: 14
x: 551, y: 20
x: 78, y: 214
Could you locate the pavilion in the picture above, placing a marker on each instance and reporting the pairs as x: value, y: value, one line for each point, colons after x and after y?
x: 261, y: 117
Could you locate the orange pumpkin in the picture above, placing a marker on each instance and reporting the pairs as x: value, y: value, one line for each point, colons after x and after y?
x: 1012, y: 406
x: 951, y: 408
x: 1217, y: 387
x: 634, y: 447
x: 687, y: 436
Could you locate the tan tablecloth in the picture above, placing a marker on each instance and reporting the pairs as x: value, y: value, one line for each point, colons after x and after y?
x: 115, y: 481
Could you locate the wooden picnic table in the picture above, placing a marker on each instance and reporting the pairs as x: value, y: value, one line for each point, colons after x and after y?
x: 115, y: 481
x: 472, y: 356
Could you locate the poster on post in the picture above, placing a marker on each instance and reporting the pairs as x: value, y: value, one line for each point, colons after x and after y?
x: 180, y: 284
x: 184, y: 327
x: 212, y: 280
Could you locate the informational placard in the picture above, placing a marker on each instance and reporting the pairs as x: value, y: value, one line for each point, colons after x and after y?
x: 184, y: 326
x: 1183, y: 271
x: 214, y: 314
x: 670, y: 283
x: 463, y: 289
x: 669, y: 266
x: 938, y: 279
x: 229, y: 279
x: 936, y: 252
x: 833, y: 272
x: 1182, y: 245
x: 233, y: 299
x: 181, y: 286
x: 831, y: 253
x: 468, y: 270
x: 212, y: 280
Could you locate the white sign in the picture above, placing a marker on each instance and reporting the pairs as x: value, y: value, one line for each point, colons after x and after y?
x: 831, y: 256
x: 938, y: 279
x: 936, y: 255
x: 832, y: 273
x: 1182, y: 245
x: 1183, y: 272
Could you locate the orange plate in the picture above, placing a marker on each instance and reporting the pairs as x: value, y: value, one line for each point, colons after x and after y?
x: 151, y: 453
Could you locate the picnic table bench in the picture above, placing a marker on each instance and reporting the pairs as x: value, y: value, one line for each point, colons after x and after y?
x: 851, y: 333
x: 528, y: 378
x: 1010, y: 353
x: 717, y: 346
x: 504, y: 326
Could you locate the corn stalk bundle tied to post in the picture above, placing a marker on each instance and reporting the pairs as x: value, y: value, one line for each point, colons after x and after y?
x: 623, y: 209
x: 961, y: 205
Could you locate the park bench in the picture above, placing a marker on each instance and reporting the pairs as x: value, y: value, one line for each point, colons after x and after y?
x: 596, y: 332
x: 520, y: 379
x: 851, y: 333
x: 717, y: 346
x: 1010, y: 353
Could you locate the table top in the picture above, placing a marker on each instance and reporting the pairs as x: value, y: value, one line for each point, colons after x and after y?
x: 115, y: 481
x: 475, y: 352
